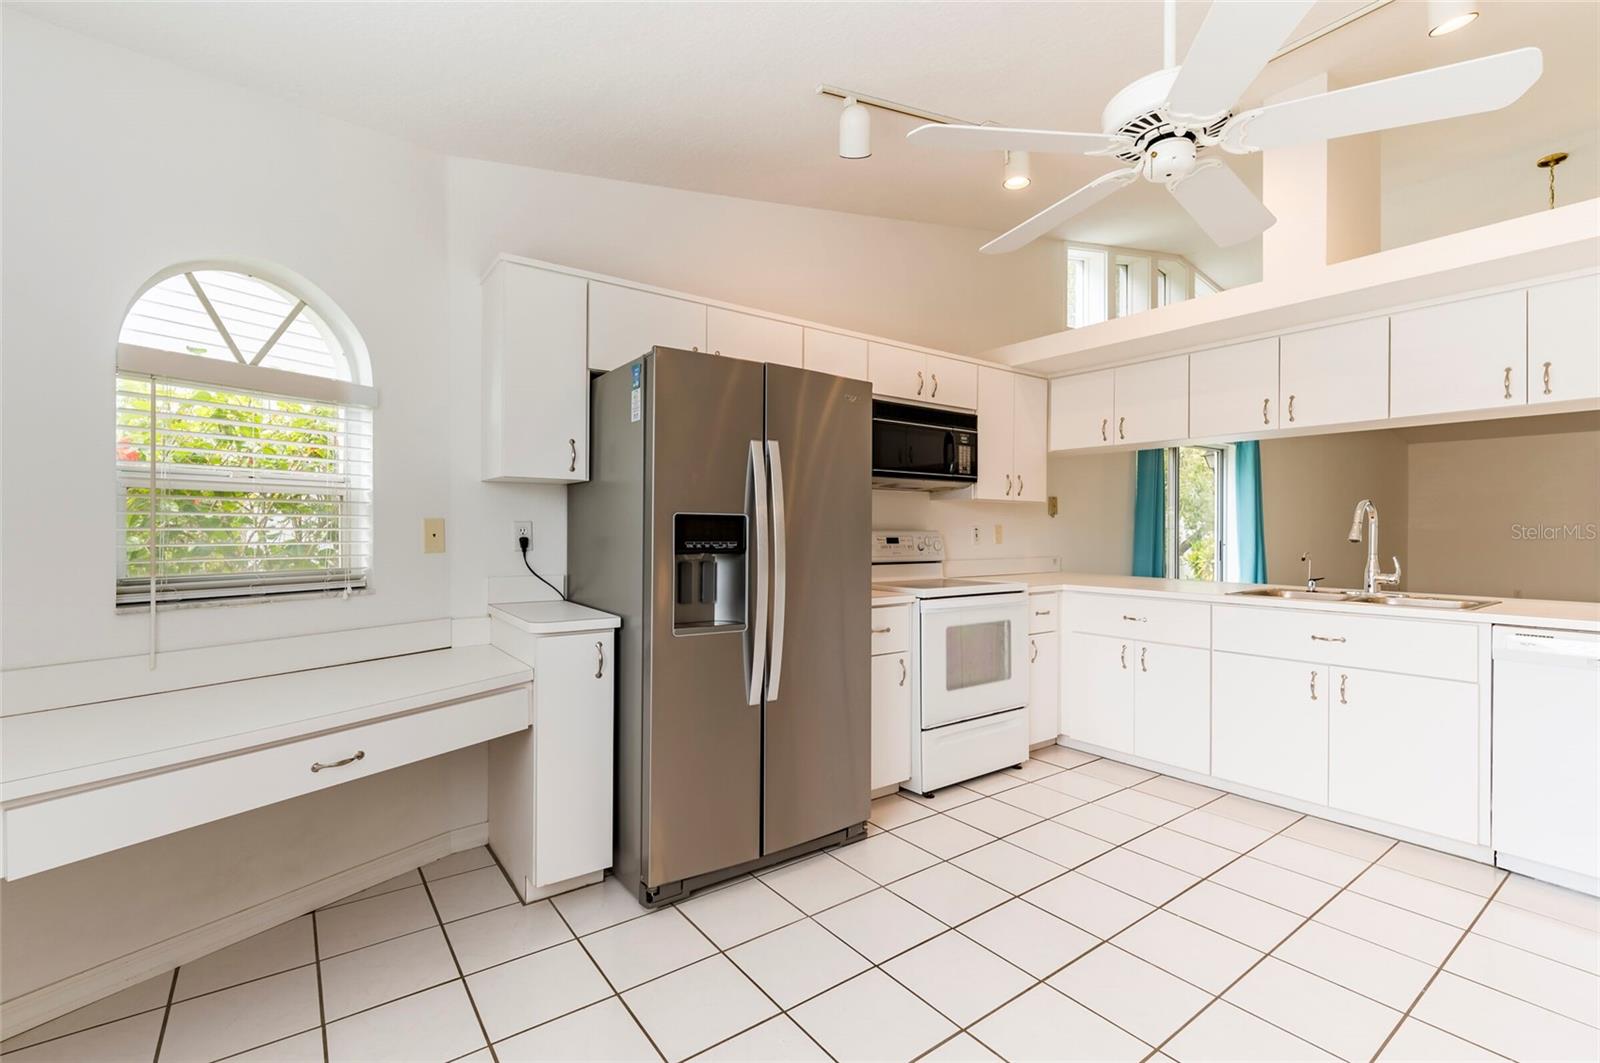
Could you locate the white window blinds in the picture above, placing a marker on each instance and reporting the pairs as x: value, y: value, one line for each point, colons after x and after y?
x: 230, y: 493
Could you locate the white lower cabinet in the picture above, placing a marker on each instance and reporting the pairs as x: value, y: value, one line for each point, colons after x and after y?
x: 1172, y: 706
x: 1044, y: 687
x: 891, y: 720
x: 1097, y: 702
x: 1404, y: 749
x: 1269, y: 724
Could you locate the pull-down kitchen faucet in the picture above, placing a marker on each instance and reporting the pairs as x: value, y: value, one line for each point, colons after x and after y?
x: 1373, y: 577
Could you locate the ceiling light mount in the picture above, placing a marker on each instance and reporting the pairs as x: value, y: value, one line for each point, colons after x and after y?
x: 1550, y: 162
x: 1016, y: 176
x: 1447, y: 16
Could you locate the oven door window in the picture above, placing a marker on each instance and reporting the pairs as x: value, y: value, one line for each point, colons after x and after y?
x: 972, y: 658
x: 977, y: 654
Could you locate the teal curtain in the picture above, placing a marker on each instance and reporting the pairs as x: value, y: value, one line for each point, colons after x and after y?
x: 1249, y: 534
x: 1150, y: 515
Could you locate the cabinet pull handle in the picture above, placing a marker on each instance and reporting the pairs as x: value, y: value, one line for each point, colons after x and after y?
x: 696, y: 349
x: 902, y: 671
x: 1136, y: 619
x: 1124, y: 656
x: 1327, y: 638
x: 599, y: 659
x: 1343, y: 680
x: 935, y: 392
x: 1547, y: 378
x: 1264, y: 418
x: 1033, y: 651
x: 1104, y: 421
x: 573, y: 465
x: 360, y: 754
x: 1122, y: 426
x: 919, y: 382
x: 1508, y: 381
x: 1008, y: 485
x: 1313, y: 686
x: 880, y: 631
x: 1142, y: 651
x: 1041, y: 612
x: 1291, y: 409
x: 717, y: 353
x: 1019, y: 485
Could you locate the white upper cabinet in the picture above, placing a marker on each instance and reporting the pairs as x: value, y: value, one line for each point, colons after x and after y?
x: 996, y: 428
x: 901, y: 373
x: 1334, y: 375
x: 1233, y: 390
x: 1152, y: 401
x: 1564, y: 340
x: 753, y: 338
x: 1469, y: 355
x: 1032, y: 402
x: 535, y: 376
x: 624, y: 323
x: 1081, y: 408
x: 829, y: 352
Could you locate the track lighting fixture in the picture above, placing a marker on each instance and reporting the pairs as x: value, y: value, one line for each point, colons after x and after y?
x: 855, y: 130
x: 1016, y: 171
x: 1447, y: 16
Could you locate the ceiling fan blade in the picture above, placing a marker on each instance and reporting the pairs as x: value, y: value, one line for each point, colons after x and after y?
x: 1059, y: 211
x: 1224, y: 206
x: 1000, y: 138
x: 1233, y: 46
x: 1472, y: 87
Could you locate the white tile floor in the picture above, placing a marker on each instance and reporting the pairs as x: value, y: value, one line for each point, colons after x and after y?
x: 1071, y: 909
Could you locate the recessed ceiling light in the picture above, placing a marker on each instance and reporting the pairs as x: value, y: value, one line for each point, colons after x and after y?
x: 855, y: 130
x: 1447, y: 16
x: 1016, y: 171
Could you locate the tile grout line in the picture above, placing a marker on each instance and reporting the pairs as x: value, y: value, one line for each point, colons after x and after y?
x: 605, y: 977
x: 493, y: 1055
x: 322, y: 1009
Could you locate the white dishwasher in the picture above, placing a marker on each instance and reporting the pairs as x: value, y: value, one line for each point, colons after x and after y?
x: 1545, y: 803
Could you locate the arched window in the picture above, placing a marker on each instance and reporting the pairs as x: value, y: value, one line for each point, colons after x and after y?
x: 244, y: 441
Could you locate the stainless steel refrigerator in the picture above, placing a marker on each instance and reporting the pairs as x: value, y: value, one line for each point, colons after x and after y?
x: 727, y: 520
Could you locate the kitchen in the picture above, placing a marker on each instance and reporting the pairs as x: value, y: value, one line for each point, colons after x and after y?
x: 1205, y: 821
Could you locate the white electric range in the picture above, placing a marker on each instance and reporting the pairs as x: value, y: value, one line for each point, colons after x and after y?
x: 969, y: 662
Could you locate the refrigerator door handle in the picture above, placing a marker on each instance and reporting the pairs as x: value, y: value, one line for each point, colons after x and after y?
x: 780, y: 569
x: 758, y: 637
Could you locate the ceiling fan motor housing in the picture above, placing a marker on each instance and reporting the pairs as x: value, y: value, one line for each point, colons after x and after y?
x: 1163, y: 149
x: 1169, y: 157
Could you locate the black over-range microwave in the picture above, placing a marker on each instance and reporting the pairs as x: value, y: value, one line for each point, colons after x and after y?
x: 921, y: 448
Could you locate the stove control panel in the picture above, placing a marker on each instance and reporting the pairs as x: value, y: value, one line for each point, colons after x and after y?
x: 907, y: 546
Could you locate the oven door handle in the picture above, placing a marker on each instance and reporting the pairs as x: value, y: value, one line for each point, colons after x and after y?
x: 1008, y: 605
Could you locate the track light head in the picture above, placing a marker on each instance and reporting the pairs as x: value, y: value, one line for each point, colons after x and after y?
x: 1016, y: 172
x: 1447, y: 16
x: 855, y: 130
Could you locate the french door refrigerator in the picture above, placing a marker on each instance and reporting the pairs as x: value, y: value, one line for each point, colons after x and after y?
x: 727, y: 521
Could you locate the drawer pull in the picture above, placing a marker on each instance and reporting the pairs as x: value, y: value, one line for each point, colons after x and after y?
x: 1142, y: 651
x: 1033, y: 651
x: 881, y: 630
x: 902, y: 671
x: 1041, y: 612
x: 1136, y: 619
x: 1327, y: 638
x: 360, y: 754
x: 1124, y: 656
x: 599, y: 659
x: 1313, y: 686
x: 1344, y: 680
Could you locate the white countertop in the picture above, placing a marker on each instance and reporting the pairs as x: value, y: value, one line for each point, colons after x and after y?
x: 1528, y: 612
x: 890, y: 596
x: 553, y: 618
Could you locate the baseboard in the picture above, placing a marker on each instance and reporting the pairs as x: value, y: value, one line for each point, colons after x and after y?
x: 1559, y: 876
x: 73, y: 992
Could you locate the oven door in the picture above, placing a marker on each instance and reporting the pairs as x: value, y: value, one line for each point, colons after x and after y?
x: 972, y: 657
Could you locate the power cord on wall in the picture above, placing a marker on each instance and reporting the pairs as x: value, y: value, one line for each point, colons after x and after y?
x: 522, y: 541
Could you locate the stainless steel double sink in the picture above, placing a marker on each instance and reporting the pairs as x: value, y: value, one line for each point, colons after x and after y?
x: 1422, y: 601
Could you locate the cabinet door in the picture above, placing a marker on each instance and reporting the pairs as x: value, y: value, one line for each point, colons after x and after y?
x: 1031, y: 411
x: 952, y: 382
x: 1334, y: 375
x: 996, y: 427
x: 572, y: 736
x: 1044, y: 687
x: 1172, y: 706
x: 1081, y: 410
x: 891, y: 720
x: 829, y: 352
x: 898, y: 373
x: 1097, y: 702
x: 1269, y: 724
x: 535, y: 376
x: 624, y: 323
x: 753, y: 338
x: 1233, y: 390
x: 1404, y: 749
x: 1152, y: 401
x: 1564, y: 340
x: 1470, y: 355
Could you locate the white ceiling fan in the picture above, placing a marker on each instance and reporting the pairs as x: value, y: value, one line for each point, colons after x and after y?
x: 1167, y: 122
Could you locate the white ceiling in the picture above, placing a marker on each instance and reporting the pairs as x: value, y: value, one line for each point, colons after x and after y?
x: 720, y: 97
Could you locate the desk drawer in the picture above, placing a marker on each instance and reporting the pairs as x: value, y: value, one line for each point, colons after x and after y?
x: 891, y: 629
x: 1144, y: 619
x: 53, y: 831
x: 1043, y: 609
x: 1350, y: 640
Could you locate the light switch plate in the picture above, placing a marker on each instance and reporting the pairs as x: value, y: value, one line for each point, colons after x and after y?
x: 433, y: 535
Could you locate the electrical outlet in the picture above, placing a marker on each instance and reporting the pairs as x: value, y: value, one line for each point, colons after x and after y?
x: 521, y: 529
x: 977, y: 535
x: 999, y: 534
x: 433, y: 535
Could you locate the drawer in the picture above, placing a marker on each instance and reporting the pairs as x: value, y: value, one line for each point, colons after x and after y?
x: 891, y: 629
x: 1384, y: 644
x: 1144, y: 619
x: 60, y: 830
x: 1042, y: 612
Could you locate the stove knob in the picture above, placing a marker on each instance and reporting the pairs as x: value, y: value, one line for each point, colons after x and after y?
x: 922, y: 544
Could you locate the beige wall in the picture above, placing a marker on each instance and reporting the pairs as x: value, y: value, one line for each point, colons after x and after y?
x: 1506, y: 508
